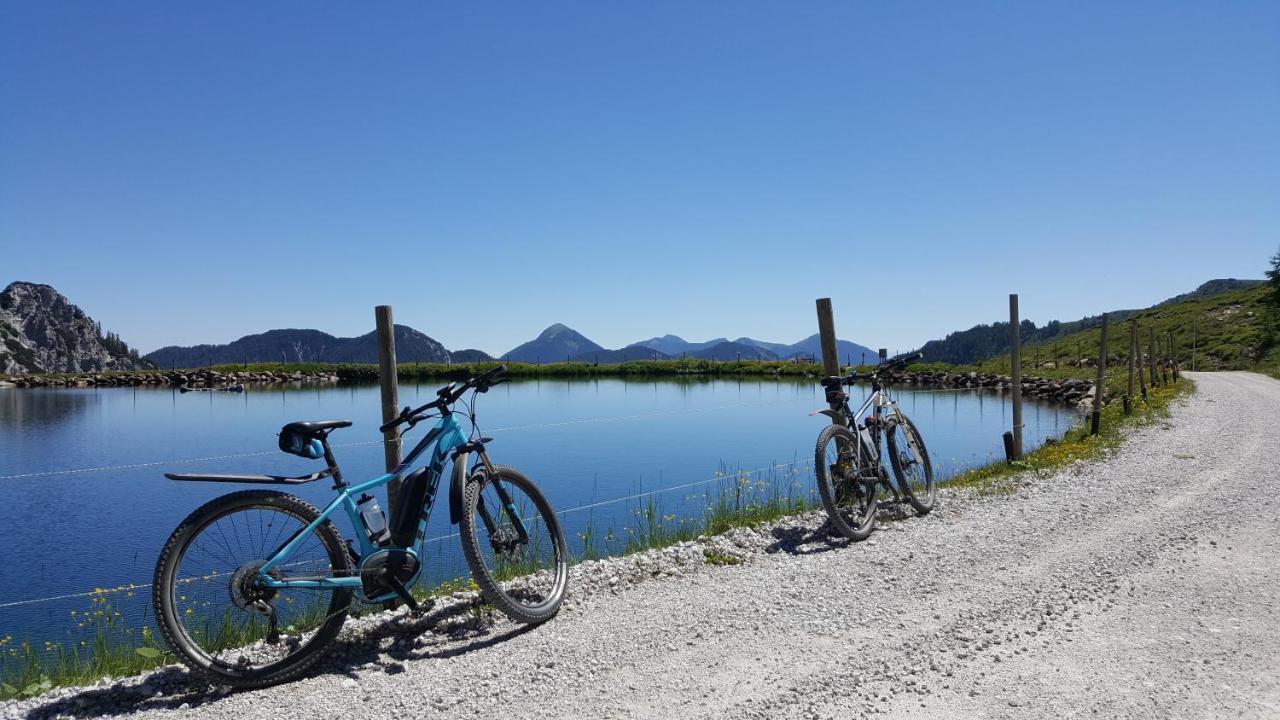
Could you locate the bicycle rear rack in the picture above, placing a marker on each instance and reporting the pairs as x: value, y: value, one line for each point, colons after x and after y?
x: 256, y: 479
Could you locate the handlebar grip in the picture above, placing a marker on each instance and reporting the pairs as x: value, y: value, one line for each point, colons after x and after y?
x: 489, y: 378
x: 387, y: 427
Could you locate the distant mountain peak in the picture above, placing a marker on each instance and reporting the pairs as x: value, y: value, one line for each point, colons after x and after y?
x: 554, y: 330
x: 557, y: 343
x: 42, y: 331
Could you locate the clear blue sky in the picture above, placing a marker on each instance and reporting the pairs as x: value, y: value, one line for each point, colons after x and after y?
x: 194, y: 172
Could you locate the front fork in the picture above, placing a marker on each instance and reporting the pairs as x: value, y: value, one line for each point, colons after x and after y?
x: 900, y: 420
x: 504, y: 497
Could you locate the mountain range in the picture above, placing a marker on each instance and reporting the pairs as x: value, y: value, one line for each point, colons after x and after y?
x: 750, y: 349
x: 42, y: 331
x: 560, y: 343
x: 304, y: 346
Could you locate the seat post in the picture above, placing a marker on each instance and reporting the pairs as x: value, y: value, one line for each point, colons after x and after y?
x: 338, y: 482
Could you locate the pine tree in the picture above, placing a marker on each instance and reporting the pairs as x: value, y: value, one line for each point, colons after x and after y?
x: 1273, y: 279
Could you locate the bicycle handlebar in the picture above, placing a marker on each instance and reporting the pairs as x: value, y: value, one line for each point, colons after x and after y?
x: 448, y: 395
x: 900, y: 361
x: 893, y: 364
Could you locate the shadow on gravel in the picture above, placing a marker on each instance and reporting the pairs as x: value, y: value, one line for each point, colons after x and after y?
x: 436, y: 634
x: 804, y: 541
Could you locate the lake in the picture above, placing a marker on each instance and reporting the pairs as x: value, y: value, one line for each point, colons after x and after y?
x: 87, y: 506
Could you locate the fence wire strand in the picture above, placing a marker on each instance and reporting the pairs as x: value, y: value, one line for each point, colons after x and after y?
x: 635, y: 496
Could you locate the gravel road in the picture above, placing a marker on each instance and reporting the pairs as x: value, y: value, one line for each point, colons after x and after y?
x: 1145, y: 585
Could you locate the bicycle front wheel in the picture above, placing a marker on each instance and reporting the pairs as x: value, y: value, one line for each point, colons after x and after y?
x: 215, y: 612
x: 911, y: 466
x: 848, y: 482
x: 514, y: 544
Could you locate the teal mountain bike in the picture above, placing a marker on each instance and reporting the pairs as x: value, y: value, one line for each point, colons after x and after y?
x: 252, y: 587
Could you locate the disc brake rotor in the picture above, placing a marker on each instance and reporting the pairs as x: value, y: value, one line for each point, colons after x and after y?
x: 505, y: 542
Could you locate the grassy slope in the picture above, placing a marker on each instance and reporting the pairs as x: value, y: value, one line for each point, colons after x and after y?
x: 1229, y: 334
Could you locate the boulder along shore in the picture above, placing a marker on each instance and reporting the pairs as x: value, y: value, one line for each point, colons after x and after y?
x: 1072, y: 391
x: 174, y: 378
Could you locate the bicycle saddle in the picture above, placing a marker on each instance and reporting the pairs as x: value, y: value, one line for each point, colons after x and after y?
x: 313, y: 426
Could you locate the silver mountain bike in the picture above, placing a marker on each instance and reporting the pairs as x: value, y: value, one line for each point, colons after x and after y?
x: 848, y: 462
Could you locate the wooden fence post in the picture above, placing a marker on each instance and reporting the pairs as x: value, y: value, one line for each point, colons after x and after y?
x: 1015, y: 360
x: 1137, y: 349
x: 1128, y: 395
x: 830, y: 354
x: 390, y: 401
x: 1173, y: 356
x: 1163, y: 349
x: 1098, y: 385
x: 1193, y: 346
x: 1151, y: 355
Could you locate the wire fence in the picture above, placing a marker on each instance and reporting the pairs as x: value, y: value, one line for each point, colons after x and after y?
x: 129, y: 587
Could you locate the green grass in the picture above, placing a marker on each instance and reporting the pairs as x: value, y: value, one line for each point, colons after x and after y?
x: 108, y: 649
x: 1077, y: 443
x: 715, y: 558
x: 741, y: 498
x: 1230, y: 331
x: 414, y: 372
x: 636, y: 368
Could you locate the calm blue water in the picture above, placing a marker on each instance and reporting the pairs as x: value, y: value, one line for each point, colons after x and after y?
x: 584, y: 442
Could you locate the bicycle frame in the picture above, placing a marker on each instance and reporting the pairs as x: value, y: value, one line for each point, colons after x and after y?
x: 446, y: 435
x: 877, y: 402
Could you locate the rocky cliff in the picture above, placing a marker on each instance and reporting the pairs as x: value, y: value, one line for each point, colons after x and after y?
x: 43, y: 331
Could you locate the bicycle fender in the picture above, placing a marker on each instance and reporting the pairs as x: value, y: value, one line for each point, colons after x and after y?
x: 455, y: 488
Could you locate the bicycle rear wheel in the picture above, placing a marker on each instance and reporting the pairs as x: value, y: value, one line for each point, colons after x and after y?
x: 848, y: 482
x: 911, y: 466
x: 514, y: 544
x: 217, y: 615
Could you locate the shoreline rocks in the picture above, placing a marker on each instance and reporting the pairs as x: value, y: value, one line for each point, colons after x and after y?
x: 171, y: 378
x: 1072, y: 391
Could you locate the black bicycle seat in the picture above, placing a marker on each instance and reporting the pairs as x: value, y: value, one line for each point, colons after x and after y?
x: 313, y: 426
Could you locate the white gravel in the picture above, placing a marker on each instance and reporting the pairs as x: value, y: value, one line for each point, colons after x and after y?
x: 1142, y: 586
